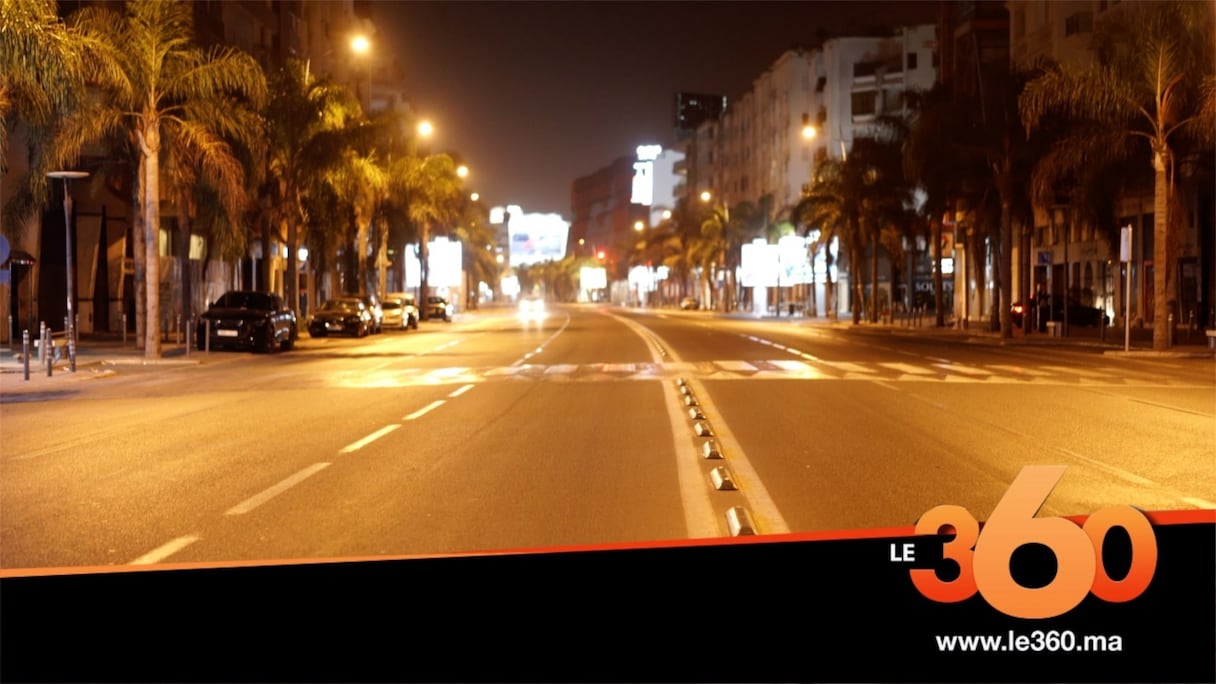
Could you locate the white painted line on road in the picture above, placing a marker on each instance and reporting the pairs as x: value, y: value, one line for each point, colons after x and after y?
x: 457, y: 392
x: 425, y: 410
x: 355, y: 446
x: 1117, y: 472
x: 959, y: 368
x: 259, y: 499
x: 165, y: 550
x: 908, y: 369
x: 1199, y: 503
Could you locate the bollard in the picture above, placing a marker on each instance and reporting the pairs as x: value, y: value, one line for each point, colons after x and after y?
x: 189, y: 327
x: 25, y: 352
x: 208, y: 333
x: 124, y: 330
x: 9, y: 331
x: 41, y: 342
x: 69, y: 339
x: 178, y: 332
x: 48, y: 355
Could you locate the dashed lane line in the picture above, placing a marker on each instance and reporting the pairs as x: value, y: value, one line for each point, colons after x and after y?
x: 271, y: 492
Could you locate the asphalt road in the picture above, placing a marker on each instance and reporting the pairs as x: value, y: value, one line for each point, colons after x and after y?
x: 589, y: 429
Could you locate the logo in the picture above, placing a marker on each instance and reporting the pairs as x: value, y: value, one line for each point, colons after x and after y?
x: 983, y: 555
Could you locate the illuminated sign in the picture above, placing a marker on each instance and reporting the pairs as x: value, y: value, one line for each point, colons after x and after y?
x: 535, y: 238
x: 592, y: 278
x: 444, y: 259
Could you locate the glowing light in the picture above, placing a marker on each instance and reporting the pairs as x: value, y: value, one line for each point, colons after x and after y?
x: 425, y: 129
x: 360, y: 44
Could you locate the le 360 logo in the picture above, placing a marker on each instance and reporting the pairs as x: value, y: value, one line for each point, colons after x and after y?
x: 984, y: 556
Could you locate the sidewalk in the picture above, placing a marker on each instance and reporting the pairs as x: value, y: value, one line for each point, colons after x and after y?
x: 1109, y: 341
x: 97, y: 355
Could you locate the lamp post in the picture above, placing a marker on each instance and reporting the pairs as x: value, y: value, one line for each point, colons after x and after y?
x: 70, y: 324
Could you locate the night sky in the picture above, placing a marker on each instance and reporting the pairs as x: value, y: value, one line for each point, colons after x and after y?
x: 535, y: 94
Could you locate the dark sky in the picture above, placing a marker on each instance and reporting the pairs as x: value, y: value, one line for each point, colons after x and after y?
x: 535, y: 94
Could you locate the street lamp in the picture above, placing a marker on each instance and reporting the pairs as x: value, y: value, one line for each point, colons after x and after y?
x: 70, y: 324
x: 425, y: 129
x: 360, y: 45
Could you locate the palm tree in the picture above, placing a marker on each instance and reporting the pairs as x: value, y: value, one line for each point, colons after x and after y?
x: 432, y: 191
x: 1152, y: 82
x: 169, y: 88
x: 310, y: 121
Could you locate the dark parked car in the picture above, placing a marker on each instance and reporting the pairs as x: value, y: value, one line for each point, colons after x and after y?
x: 243, y: 319
x: 341, y: 316
x: 438, y: 307
x: 1078, y: 314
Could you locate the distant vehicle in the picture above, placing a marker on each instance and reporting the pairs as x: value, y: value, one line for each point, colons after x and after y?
x: 373, y: 307
x: 438, y: 307
x: 532, y: 309
x: 244, y: 319
x: 398, y: 315
x: 1078, y: 314
x: 688, y: 303
x: 341, y: 316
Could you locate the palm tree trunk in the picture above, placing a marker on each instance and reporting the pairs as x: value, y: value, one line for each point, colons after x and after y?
x: 1162, y: 257
x: 139, y: 259
x: 150, y: 144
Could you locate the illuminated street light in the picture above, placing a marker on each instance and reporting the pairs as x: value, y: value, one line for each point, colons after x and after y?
x: 475, y: 197
x: 639, y: 226
x: 705, y: 196
x: 361, y: 46
x: 462, y: 171
x: 425, y: 129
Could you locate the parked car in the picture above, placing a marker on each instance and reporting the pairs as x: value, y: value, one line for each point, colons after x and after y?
x: 689, y: 303
x: 373, y: 307
x: 1078, y: 313
x: 438, y: 307
x: 244, y: 319
x: 400, y: 311
x: 341, y: 316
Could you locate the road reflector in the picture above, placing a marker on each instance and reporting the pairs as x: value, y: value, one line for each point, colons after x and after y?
x: 702, y: 430
x: 721, y: 479
x: 739, y: 522
x: 711, y: 450
x: 695, y: 413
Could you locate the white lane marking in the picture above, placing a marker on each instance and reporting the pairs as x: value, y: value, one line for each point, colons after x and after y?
x: 424, y: 410
x: 540, y: 348
x: 165, y: 550
x: 355, y: 446
x: 1117, y: 472
x: 849, y: 367
x: 736, y: 366
x: 699, y: 519
x: 268, y: 494
x: 1021, y: 370
x: 959, y: 368
x: 1068, y: 370
x: 908, y: 368
x: 457, y: 392
x: 692, y: 485
x: 1199, y: 503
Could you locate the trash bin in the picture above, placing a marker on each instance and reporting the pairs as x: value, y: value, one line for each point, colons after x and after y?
x: 1053, y: 328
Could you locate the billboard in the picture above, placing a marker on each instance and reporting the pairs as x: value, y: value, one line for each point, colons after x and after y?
x: 534, y: 238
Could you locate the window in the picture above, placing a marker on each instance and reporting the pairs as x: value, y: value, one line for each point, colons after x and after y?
x: 865, y: 103
x: 820, y: 84
x: 911, y: 61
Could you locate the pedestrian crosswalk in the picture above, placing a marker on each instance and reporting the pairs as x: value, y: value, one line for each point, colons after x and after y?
x: 927, y: 371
